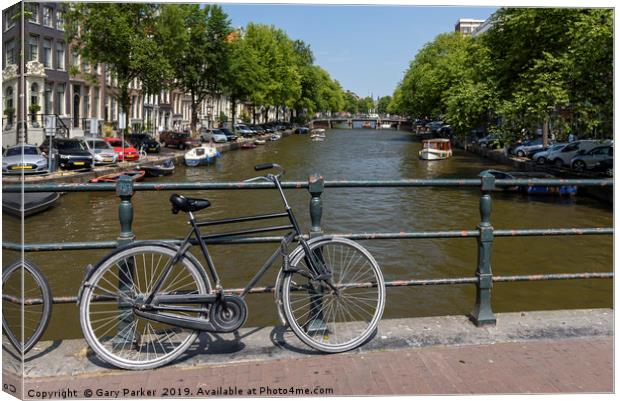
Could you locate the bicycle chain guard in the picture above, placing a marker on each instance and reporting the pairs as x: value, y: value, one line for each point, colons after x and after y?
x: 228, y: 314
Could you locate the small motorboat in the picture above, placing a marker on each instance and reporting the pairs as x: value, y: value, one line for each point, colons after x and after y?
x: 436, y: 149
x: 367, y: 124
x: 275, y: 137
x: 318, y: 134
x: 562, y: 190
x: 248, y: 146
x: 386, y: 125
x: 34, y: 202
x: 204, y: 154
x: 136, y: 175
x: 158, y: 170
x: 259, y: 142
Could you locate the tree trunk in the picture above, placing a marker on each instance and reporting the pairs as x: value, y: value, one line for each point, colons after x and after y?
x: 233, y: 107
x: 266, y: 113
x: 277, y: 113
x: 546, y: 131
x: 254, y: 114
x: 194, y: 118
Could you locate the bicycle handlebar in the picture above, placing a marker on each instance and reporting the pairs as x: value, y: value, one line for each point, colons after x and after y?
x: 263, y: 166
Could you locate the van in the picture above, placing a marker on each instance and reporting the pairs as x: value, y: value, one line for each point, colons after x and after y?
x: 563, y: 156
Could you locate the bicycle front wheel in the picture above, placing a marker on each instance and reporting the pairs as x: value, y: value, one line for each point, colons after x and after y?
x: 342, y: 316
x: 35, y: 302
x: 113, y: 331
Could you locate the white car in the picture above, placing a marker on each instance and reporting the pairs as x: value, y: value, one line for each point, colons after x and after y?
x: 102, y: 151
x: 562, y: 157
x: 243, y: 130
x: 214, y: 135
x: 541, y: 157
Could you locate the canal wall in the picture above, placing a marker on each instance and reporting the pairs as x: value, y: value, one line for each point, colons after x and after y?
x: 177, y: 156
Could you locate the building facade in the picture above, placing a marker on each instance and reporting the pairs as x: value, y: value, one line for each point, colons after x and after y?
x: 58, y: 83
x: 466, y: 26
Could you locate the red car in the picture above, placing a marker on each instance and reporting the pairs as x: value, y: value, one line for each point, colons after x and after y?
x: 130, y: 152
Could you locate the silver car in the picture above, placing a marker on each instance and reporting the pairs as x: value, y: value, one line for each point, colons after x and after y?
x: 541, y: 157
x: 591, y: 159
x: 102, y: 151
x: 214, y: 135
x: 31, y: 162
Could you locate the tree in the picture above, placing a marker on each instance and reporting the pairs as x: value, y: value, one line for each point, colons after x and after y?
x: 350, y: 102
x: 197, y: 49
x: 121, y: 36
x: 383, y: 104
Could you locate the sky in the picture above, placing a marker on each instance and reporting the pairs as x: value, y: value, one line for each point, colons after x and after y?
x: 366, y: 48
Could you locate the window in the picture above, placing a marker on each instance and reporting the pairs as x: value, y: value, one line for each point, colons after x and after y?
x: 47, y: 98
x: 10, y: 17
x: 33, y: 48
x: 33, y: 8
x: 47, y: 53
x: 9, y: 47
x: 60, y: 98
x: 60, y: 20
x: 96, y: 102
x: 85, y: 66
x: 47, y: 16
x: 8, y: 104
x: 113, y: 109
x: 86, y: 103
x: 75, y: 58
x: 60, y: 56
x: 34, y: 99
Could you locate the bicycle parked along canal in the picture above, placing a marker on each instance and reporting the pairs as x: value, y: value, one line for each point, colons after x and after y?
x: 144, y: 304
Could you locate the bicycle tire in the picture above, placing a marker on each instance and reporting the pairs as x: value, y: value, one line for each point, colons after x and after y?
x: 42, y: 289
x: 133, y: 354
x: 331, y: 314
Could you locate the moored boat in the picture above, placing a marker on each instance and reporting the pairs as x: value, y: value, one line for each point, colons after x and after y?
x: 562, y: 190
x: 204, y: 154
x: 158, y: 170
x: 275, y: 137
x: 34, y: 202
x: 248, y: 146
x: 136, y: 175
x: 260, y: 142
x: 436, y: 149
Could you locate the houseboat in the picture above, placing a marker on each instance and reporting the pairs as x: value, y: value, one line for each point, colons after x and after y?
x: 436, y: 149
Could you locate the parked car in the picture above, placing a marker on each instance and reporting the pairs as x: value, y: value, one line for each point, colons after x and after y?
x: 527, y: 146
x: 588, y: 160
x: 72, y: 153
x: 541, y: 156
x: 214, y: 135
x: 32, y: 161
x: 229, y: 134
x: 101, y: 151
x: 563, y: 157
x: 181, y: 140
x: 243, y: 130
x: 124, y: 150
x: 144, y: 141
x: 605, y: 165
x: 491, y: 141
x: 302, y: 130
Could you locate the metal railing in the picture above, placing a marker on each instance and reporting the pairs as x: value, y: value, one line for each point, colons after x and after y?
x: 484, y: 232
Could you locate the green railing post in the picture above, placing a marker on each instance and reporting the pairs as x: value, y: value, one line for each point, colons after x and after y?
x: 483, y: 313
x: 124, y: 190
x: 315, y: 187
x: 316, y: 184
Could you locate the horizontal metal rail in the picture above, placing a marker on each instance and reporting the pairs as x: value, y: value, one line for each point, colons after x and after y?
x: 545, y: 232
x: 395, y: 283
x: 170, y: 186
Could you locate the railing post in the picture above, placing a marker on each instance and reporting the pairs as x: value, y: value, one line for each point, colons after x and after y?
x: 124, y: 190
x: 483, y: 313
x: 315, y: 187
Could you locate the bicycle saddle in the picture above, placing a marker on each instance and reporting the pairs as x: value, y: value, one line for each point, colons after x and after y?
x: 180, y: 202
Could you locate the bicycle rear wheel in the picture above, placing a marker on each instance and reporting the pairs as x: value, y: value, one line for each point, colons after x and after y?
x: 118, y: 335
x: 35, y: 302
x: 335, y: 320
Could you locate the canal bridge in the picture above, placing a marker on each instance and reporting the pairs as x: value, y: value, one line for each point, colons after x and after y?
x: 570, y: 337
x: 362, y: 122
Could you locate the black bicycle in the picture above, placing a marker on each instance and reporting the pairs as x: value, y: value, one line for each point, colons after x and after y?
x: 144, y: 304
x: 26, y: 304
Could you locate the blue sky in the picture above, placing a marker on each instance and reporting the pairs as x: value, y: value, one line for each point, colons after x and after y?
x: 366, y: 48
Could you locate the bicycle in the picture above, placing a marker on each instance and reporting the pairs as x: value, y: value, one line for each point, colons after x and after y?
x: 34, y: 299
x: 142, y: 155
x: 144, y: 304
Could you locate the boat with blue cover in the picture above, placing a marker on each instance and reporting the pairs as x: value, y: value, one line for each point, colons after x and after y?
x: 201, y: 155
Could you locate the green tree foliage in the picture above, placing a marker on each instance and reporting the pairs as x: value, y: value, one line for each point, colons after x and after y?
x: 121, y: 35
x: 350, y: 102
x: 195, y: 40
x: 365, y: 105
x: 533, y: 67
x: 383, y: 104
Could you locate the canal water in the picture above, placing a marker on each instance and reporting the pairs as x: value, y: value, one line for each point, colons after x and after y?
x: 352, y: 154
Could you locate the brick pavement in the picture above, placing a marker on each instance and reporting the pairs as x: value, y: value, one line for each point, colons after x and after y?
x: 575, y: 365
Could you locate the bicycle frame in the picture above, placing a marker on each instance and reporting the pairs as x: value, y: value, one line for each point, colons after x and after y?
x: 316, y: 266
